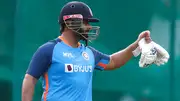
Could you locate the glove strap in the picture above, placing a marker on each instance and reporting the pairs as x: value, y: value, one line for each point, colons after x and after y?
x: 136, y: 52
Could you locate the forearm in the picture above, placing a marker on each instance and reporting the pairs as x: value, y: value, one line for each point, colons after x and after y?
x: 28, y: 89
x: 123, y: 56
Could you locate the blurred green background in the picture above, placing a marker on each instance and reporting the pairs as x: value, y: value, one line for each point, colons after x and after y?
x: 26, y: 24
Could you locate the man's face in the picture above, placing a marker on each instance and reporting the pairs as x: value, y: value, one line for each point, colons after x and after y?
x: 82, y: 29
x: 87, y: 26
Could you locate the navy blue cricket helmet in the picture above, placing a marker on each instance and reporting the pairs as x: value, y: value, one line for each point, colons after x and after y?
x: 76, y: 7
x: 73, y: 15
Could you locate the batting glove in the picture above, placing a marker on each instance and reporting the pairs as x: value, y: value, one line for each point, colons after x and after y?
x: 148, y: 53
x: 162, y: 55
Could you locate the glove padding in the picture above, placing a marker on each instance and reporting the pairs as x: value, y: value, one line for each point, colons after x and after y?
x: 148, y: 53
x: 162, y: 55
x: 151, y: 53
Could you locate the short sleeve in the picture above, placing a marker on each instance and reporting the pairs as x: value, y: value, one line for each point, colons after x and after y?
x: 41, y: 60
x: 101, y: 60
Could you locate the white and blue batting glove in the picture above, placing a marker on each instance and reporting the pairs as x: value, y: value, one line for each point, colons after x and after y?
x: 151, y: 53
x: 148, y: 53
x: 162, y: 55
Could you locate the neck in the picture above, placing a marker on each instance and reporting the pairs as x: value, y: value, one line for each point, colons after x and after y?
x: 70, y: 39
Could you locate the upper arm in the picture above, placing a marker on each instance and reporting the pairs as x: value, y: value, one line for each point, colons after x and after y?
x: 101, y: 60
x: 41, y: 60
x: 29, y: 81
x: 28, y: 86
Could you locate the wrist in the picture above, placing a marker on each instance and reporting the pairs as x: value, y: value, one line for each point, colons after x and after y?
x: 135, y: 45
x: 136, y: 49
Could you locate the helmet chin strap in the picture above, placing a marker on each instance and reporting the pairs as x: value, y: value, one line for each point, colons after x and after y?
x: 81, y: 37
x: 86, y: 42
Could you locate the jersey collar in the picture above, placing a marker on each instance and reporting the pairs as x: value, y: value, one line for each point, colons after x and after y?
x: 66, y: 42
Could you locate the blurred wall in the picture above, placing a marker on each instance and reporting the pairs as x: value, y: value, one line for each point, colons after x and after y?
x: 26, y: 24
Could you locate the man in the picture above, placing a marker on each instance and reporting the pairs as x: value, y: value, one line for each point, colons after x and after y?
x: 65, y: 65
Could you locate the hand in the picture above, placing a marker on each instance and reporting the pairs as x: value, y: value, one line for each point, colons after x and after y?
x: 150, y: 51
x: 146, y: 35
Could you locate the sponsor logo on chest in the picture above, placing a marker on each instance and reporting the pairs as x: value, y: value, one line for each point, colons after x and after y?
x: 78, y: 68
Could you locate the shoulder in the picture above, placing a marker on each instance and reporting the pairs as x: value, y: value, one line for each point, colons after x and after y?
x: 98, y: 54
x: 47, y: 48
x: 95, y: 51
x: 92, y: 49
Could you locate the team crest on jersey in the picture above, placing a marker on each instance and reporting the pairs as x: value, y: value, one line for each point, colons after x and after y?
x: 85, y: 56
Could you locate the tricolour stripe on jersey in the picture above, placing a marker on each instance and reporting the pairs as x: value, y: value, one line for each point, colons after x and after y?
x: 46, y: 85
x: 102, y: 65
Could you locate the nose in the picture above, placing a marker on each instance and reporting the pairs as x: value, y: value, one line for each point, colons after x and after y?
x: 89, y: 27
